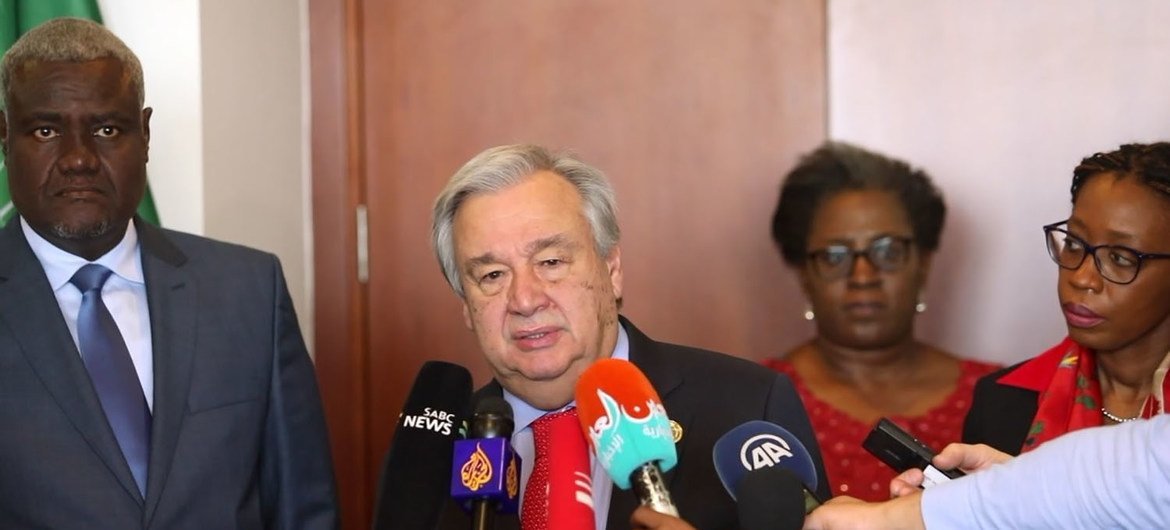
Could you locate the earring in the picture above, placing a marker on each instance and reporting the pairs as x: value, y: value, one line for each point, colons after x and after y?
x: 808, y: 313
x: 920, y: 307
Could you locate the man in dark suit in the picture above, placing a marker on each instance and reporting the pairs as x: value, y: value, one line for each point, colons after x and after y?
x: 529, y: 241
x: 148, y: 378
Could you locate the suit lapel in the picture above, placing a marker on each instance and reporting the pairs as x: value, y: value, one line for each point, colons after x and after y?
x: 665, y: 378
x: 29, y: 307
x: 171, y: 298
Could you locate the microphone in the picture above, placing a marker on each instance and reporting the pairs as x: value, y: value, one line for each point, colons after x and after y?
x: 627, y: 426
x: 414, y: 482
x: 771, y: 498
x: 485, y: 476
x: 758, y: 445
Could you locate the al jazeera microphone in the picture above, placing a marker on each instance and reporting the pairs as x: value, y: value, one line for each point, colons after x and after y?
x: 485, y: 471
x: 626, y: 424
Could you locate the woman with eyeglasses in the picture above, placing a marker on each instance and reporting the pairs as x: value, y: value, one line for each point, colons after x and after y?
x: 1114, y: 289
x: 859, y: 230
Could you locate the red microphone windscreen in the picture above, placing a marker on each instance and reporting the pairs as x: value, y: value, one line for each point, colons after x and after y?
x: 570, y: 486
x: 624, y: 419
x: 620, y: 380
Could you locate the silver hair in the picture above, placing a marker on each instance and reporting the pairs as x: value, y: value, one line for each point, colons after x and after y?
x: 502, y: 167
x: 69, y: 39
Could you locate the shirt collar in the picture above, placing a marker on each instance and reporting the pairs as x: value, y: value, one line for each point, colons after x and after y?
x: 1036, y: 373
x: 524, y: 414
x: 60, y: 266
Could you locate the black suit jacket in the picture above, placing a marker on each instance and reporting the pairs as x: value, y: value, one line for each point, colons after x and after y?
x: 238, y: 439
x: 708, y: 394
x: 1000, y: 415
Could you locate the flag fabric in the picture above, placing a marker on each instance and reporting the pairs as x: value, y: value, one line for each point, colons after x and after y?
x: 19, y: 16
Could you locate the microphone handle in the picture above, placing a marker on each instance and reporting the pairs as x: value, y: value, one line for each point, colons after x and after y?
x: 810, y: 500
x: 483, y: 515
x: 651, y: 490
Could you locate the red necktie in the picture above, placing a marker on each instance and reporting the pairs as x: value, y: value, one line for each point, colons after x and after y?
x: 559, y: 492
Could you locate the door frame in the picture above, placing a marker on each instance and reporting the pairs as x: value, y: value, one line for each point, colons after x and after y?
x: 340, y: 317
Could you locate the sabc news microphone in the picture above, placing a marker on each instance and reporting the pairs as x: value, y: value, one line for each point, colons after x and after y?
x: 485, y: 476
x: 626, y: 424
x: 415, y: 475
x: 758, y: 445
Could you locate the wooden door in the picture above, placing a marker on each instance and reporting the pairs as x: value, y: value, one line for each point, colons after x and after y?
x: 693, y: 108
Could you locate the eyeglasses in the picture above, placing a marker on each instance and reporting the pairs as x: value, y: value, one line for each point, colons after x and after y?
x: 1116, y: 263
x: 887, y: 254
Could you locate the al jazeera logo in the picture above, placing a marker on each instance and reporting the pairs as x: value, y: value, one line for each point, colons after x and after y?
x: 477, y: 471
x: 485, y: 469
x: 512, y: 479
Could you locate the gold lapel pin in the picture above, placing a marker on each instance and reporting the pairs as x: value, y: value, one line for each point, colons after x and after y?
x: 675, y: 431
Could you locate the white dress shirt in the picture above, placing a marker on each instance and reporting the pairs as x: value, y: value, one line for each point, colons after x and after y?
x: 522, y: 441
x: 124, y: 294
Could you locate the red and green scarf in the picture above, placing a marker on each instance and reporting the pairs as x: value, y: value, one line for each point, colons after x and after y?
x: 1070, y: 394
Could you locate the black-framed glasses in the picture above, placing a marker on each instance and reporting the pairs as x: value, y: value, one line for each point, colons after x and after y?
x: 1115, y: 263
x: 886, y: 253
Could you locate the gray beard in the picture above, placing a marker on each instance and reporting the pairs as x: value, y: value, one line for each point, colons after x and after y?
x: 85, y: 232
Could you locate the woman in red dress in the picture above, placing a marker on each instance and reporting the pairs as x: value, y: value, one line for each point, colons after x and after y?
x: 860, y: 229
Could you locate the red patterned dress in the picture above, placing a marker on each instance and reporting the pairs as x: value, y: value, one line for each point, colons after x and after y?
x: 851, y: 469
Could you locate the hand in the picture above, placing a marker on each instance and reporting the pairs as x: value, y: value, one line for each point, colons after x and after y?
x: 969, y: 458
x: 907, y: 483
x: 645, y: 518
x: 848, y: 513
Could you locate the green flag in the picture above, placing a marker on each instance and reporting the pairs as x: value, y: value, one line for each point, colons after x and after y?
x: 19, y: 16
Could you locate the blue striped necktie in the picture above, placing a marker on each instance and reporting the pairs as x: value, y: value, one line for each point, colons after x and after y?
x: 112, y: 371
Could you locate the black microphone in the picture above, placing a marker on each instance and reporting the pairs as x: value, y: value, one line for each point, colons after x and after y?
x: 771, y: 498
x: 485, y: 477
x: 757, y: 446
x: 414, y: 482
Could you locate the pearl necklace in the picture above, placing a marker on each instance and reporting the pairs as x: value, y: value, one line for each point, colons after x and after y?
x: 1119, y: 419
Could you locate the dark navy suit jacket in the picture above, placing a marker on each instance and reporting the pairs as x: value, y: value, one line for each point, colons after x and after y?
x: 1000, y: 415
x: 238, y: 439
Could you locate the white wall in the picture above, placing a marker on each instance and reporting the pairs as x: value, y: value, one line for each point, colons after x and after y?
x: 999, y: 100
x: 165, y: 36
x: 229, y: 140
x: 255, y: 148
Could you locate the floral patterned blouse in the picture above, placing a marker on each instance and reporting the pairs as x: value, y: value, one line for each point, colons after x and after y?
x: 851, y: 469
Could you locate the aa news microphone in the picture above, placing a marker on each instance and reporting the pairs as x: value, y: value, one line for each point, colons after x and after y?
x: 758, y: 445
x: 485, y: 476
x: 771, y: 498
x: 416, y: 473
x: 626, y: 424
